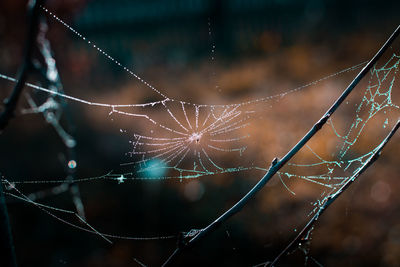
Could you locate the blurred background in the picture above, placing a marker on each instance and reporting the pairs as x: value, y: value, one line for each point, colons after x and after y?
x: 204, y: 52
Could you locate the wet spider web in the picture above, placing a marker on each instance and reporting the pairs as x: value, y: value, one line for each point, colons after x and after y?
x: 189, y: 140
x: 200, y: 132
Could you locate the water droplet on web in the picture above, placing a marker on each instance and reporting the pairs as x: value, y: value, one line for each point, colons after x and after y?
x: 386, y: 123
x: 163, y: 155
x: 72, y: 164
x: 52, y: 75
x: 70, y: 143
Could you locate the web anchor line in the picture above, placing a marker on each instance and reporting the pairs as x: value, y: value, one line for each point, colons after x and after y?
x: 277, y: 164
x: 331, y: 198
x: 45, y: 208
x: 164, y: 96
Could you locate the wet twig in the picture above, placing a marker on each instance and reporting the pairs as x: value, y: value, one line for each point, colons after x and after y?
x: 36, y: 40
x: 276, y: 165
x: 11, y: 102
x: 329, y: 200
x: 58, y: 107
x: 6, y: 244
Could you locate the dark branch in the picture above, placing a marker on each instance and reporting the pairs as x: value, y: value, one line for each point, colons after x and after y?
x: 280, y: 163
x: 6, y: 243
x: 11, y: 102
x: 334, y: 196
x: 53, y: 81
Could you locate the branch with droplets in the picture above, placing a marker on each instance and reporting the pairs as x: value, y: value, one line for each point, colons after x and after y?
x: 331, y: 198
x: 6, y: 244
x: 193, y: 236
x: 11, y: 102
x: 49, y: 72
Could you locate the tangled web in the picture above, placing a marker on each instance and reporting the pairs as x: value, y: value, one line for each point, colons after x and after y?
x: 375, y: 103
x: 182, y: 140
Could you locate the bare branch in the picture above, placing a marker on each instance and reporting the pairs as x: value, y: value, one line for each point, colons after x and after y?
x: 53, y: 81
x: 6, y: 244
x: 11, y: 102
x: 277, y: 165
x: 334, y: 196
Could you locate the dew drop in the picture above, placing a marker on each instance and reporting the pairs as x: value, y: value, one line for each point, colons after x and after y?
x: 72, y: 164
x: 386, y: 123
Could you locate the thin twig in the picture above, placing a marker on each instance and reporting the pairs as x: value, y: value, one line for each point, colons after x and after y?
x: 6, y: 242
x: 278, y: 164
x: 11, y: 102
x: 53, y: 81
x: 333, y: 197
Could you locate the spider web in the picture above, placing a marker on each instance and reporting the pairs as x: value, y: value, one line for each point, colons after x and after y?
x: 189, y: 142
x: 376, y: 103
x: 183, y: 140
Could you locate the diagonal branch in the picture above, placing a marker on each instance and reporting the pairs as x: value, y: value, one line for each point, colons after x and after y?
x: 53, y: 81
x: 333, y: 197
x: 11, y: 102
x: 195, y: 235
x: 6, y: 244
x: 48, y: 72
